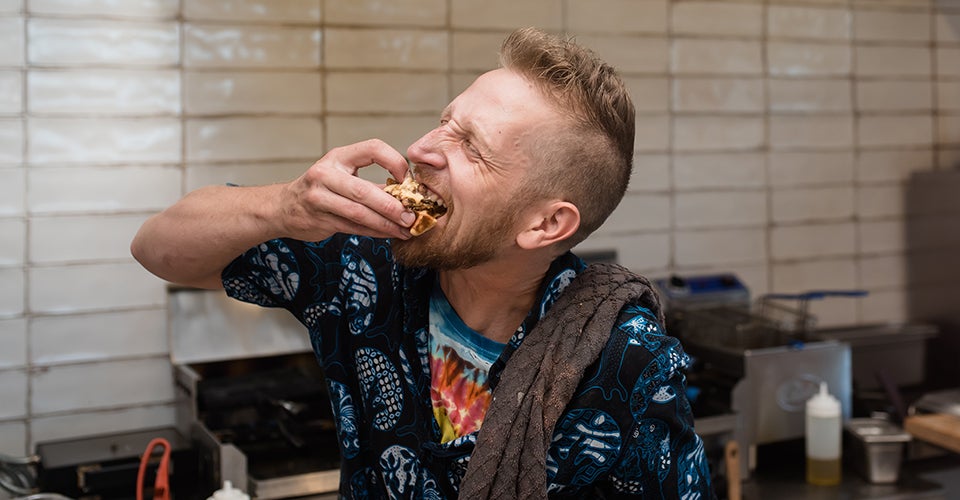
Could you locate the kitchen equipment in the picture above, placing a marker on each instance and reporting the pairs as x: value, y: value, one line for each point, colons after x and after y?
x: 252, y: 397
x: 934, y: 419
x: 107, y: 466
x: 898, y: 350
x: 876, y: 448
x: 758, y: 358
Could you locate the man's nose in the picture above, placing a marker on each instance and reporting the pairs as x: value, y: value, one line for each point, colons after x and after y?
x: 427, y: 150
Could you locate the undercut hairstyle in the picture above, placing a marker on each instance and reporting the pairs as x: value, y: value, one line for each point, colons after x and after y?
x: 587, y: 158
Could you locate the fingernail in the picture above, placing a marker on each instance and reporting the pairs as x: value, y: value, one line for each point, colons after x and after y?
x: 408, y: 218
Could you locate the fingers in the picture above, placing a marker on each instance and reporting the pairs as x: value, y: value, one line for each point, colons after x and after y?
x: 369, y: 152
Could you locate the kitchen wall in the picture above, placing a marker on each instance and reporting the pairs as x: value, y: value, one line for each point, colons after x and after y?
x: 774, y: 139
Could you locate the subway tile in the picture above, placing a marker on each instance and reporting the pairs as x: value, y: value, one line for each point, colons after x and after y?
x: 11, y: 92
x: 809, y: 168
x: 106, y: 237
x: 628, y: 54
x: 13, y: 393
x: 739, y: 95
x: 948, y: 129
x: 948, y: 95
x: 639, y: 212
x: 105, y: 336
x: 808, y: 241
x: 90, y: 423
x: 813, y: 131
x: 885, y: 200
x: 250, y: 46
x: 948, y: 62
x: 12, y: 248
x: 506, y: 14
x: 617, y: 16
x: 11, y: 140
x: 804, y: 59
x: 796, y: 21
x: 915, y: 5
x: 652, y: 133
x: 889, y: 131
x: 809, y: 95
x: 883, y: 271
x: 718, y: 247
x: 716, y: 18
x: 67, y: 289
x: 811, y: 2
x: 885, y: 306
x: 719, y: 170
x: 638, y: 252
x: 397, y: 131
x: 233, y: 92
x: 385, y: 49
x: 948, y: 157
x: 261, y: 11
x: 13, y: 438
x: 102, y: 189
x: 475, y: 51
x: 827, y: 274
x: 946, y: 27
x: 891, y: 26
x: 243, y: 174
x: 717, y: 209
x: 11, y: 292
x: 704, y: 133
x: 12, y: 39
x: 697, y: 56
x: 881, y: 236
x: 103, y: 140
x: 13, y: 190
x: 894, y: 96
x: 253, y: 138
x: 649, y: 94
x: 836, y: 312
x: 651, y: 173
x: 385, y: 92
x: 11, y: 7
x: 13, y: 343
x: 73, y: 42
x: 376, y: 13
x: 889, y: 61
x: 104, y: 91
x: 897, y: 166
x: 812, y: 204
x: 148, y: 9
x: 131, y: 382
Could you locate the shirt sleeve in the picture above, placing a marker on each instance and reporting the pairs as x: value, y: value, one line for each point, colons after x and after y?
x: 629, y: 431
x: 662, y: 456
x: 268, y: 274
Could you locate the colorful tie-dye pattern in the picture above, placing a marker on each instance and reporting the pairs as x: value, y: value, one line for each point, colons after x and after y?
x: 460, y: 359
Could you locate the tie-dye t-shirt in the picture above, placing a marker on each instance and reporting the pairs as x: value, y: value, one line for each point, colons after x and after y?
x: 460, y: 359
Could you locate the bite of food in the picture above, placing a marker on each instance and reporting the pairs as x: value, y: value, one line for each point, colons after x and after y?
x: 416, y: 197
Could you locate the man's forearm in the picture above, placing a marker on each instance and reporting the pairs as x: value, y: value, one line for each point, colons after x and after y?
x: 192, y: 241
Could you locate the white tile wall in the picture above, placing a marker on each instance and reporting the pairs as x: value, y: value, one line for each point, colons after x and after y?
x: 774, y: 139
x: 72, y: 387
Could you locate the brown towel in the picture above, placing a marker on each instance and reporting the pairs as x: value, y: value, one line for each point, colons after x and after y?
x: 509, y: 460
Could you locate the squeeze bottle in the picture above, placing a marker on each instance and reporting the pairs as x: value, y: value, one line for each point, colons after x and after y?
x: 823, y: 440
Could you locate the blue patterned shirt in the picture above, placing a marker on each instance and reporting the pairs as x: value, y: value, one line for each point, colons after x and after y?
x: 628, y: 432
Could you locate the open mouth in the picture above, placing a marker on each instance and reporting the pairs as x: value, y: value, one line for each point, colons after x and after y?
x: 427, y: 204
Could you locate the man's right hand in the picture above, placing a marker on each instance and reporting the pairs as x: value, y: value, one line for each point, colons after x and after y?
x: 329, y: 197
x: 193, y: 240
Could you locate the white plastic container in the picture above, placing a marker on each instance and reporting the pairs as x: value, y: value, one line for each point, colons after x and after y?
x: 823, y: 432
x: 228, y: 492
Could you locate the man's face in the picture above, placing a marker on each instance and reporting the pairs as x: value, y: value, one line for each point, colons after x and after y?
x: 475, y: 160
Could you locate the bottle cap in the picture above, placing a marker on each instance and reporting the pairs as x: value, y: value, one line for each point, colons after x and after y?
x: 823, y: 404
x: 228, y: 492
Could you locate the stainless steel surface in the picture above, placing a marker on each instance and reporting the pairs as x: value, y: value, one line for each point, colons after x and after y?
x: 898, y: 349
x: 877, y: 448
x: 945, y: 401
x: 295, y: 486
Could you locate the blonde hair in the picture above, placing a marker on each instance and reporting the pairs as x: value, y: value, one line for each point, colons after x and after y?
x: 588, y: 158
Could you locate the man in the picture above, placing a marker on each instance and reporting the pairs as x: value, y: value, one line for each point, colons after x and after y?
x: 416, y: 334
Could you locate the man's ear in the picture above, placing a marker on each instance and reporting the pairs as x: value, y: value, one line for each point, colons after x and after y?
x: 550, y: 223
